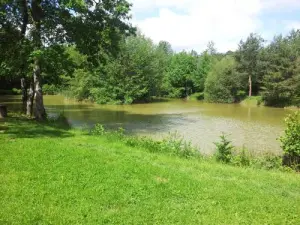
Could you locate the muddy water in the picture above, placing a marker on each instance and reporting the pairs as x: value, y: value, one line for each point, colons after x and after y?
x: 257, y: 128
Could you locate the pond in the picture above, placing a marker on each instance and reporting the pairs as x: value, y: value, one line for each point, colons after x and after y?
x: 256, y: 128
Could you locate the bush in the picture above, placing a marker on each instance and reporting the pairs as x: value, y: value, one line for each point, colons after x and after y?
x: 178, y: 146
x: 267, y: 161
x: 50, y: 89
x: 290, y: 141
x: 242, y: 158
x: 16, y: 91
x: 224, y: 150
x: 240, y: 95
x: 197, y: 96
x: 98, y: 130
x: 223, y: 82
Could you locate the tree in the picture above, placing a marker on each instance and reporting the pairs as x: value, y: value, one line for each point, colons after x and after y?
x: 204, y: 65
x: 181, y: 73
x: 165, y: 47
x: 223, y: 82
x: 134, y: 75
x: 164, y: 54
x: 282, y: 71
x: 15, y: 48
x: 92, y: 26
x: 248, y: 59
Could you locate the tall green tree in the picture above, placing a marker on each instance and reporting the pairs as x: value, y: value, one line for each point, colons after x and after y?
x: 204, y: 65
x: 282, y: 71
x: 93, y: 26
x: 181, y: 73
x: 248, y: 58
x: 134, y: 75
x: 223, y: 82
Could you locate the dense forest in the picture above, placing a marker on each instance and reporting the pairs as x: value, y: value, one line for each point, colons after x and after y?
x: 89, y: 50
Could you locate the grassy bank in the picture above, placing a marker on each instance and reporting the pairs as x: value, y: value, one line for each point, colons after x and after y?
x: 50, y: 174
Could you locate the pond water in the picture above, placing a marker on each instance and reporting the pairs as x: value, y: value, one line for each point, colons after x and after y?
x: 256, y: 128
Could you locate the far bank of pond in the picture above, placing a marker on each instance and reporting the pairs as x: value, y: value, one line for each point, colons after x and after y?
x: 257, y: 128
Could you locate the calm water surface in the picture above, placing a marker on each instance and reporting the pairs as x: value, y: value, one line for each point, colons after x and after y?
x: 257, y: 128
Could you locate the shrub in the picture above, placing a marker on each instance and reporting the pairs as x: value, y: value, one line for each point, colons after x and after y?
x: 98, y: 129
x: 242, y: 158
x: 175, y: 144
x: 197, y: 96
x: 240, y: 95
x: 16, y: 91
x: 267, y: 161
x: 290, y: 141
x: 50, y: 89
x: 223, y: 82
x: 224, y: 150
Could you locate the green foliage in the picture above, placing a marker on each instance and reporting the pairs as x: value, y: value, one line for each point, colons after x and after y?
x: 290, y: 141
x: 181, y: 73
x: 174, y: 144
x: 267, y: 162
x: 82, y: 83
x: 197, y: 96
x: 248, y: 59
x: 223, y: 83
x: 98, y: 130
x: 204, y: 66
x: 242, y: 158
x: 282, y: 71
x: 252, y: 101
x: 16, y: 91
x: 134, y: 75
x: 50, y: 89
x: 224, y: 150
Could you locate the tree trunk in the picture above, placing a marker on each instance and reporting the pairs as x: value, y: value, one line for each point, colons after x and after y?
x: 30, y: 98
x: 250, y: 86
x: 22, y: 66
x: 3, y: 111
x: 37, y: 15
x: 24, y: 95
x: 40, y: 113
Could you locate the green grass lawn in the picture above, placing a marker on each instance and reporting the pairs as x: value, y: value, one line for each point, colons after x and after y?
x: 51, y: 175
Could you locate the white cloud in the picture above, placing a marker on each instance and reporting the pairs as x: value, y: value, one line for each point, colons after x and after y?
x: 191, y: 24
x: 280, y: 4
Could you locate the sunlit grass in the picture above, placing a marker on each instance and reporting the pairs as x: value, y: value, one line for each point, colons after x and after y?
x: 50, y: 174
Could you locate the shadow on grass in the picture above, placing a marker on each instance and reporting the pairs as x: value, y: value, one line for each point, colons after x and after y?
x: 22, y: 127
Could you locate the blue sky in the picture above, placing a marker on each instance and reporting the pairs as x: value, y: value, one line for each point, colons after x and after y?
x: 191, y: 24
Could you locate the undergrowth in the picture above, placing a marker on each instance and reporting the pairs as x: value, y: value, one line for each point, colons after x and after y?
x: 174, y: 144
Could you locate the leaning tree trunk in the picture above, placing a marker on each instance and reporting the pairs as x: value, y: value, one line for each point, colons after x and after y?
x: 24, y: 94
x: 40, y: 112
x: 250, y: 85
x: 30, y: 98
x: 37, y: 15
